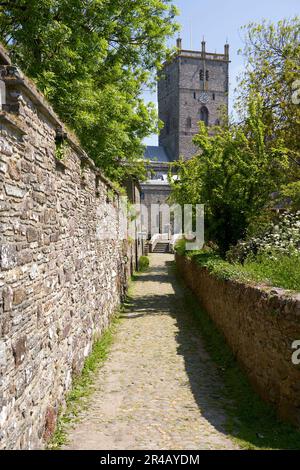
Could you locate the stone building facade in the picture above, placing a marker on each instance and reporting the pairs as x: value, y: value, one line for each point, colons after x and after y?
x: 155, y: 191
x: 61, y: 277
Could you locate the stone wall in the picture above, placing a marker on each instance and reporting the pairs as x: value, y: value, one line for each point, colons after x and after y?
x: 168, y: 108
x: 60, y: 281
x: 260, y: 325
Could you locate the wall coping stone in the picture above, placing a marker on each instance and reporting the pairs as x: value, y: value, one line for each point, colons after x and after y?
x: 14, y: 78
x: 270, y: 291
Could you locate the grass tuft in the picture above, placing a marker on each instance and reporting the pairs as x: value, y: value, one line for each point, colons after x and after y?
x: 82, y: 387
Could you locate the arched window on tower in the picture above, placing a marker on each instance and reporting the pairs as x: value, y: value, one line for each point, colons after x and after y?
x: 204, y: 115
x: 189, y: 123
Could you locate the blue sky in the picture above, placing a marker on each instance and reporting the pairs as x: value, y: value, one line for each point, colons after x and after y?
x: 218, y: 20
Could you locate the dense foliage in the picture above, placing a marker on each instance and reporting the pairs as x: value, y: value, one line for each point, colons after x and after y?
x: 92, y: 58
x: 248, y: 169
x: 234, y: 176
x: 279, y: 270
x: 279, y: 236
x: 272, y: 53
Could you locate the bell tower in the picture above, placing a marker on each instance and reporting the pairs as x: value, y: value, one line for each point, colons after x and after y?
x: 193, y: 87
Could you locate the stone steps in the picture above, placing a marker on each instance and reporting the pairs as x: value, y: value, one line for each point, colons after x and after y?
x: 162, y: 248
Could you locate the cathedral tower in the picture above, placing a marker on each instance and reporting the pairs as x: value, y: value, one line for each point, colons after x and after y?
x: 193, y: 86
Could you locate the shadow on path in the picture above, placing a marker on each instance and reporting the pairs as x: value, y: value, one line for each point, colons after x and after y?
x: 251, y: 419
x: 204, y: 380
x: 160, y: 389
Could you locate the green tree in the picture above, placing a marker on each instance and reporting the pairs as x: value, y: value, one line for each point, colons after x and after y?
x: 272, y: 54
x: 233, y: 176
x: 242, y: 164
x: 92, y: 59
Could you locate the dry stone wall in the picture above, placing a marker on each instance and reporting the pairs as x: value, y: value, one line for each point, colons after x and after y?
x: 260, y: 326
x: 60, y: 283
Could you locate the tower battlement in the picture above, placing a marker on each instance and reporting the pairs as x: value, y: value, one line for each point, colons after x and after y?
x: 202, y: 54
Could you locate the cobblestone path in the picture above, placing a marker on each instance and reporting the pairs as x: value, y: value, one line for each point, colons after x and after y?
x: 158, y: 389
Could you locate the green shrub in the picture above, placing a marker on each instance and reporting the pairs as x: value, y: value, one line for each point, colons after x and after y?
x: 180, y: 247
x: 291, y: 192
x: 281, y: 235
x: 144, y: 263
x: 277, y: 269
x: 282, y: 270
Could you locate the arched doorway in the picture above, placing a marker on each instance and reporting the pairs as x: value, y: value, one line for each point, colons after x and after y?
x: 204, y: 115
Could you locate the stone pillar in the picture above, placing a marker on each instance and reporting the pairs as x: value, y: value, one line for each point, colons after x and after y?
x: 226, y: 50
